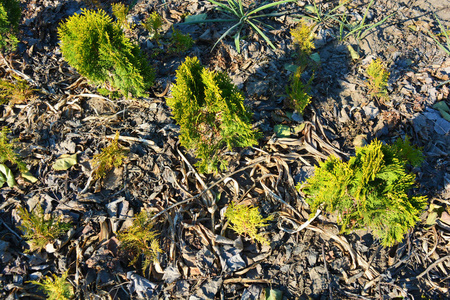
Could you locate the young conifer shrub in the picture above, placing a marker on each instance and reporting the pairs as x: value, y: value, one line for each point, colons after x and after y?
x: 10, y: 13
x: 370, y: 190
x: 377, y: 80
x: 40, y: 230
x: 110, y: 157
x: 120, y: 11
x: 97, y: 48
x: 211, y: 114
x: 299, y: 92
x: 140, y: 239
x: 56, y: 288
x: 303, y: 37
x: 180, y: 42
x: 7, y: 152
x: 153, y: 25
x: 17, y: 91
x: 246, y: 220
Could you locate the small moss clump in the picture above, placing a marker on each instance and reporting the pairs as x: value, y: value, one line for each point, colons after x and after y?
x: 40, y: 230
x: 56, y: 287
x: 141, y: 239
x: 110, y: 157
x: 246, y: 221
x: 370, y: 190
x: 97, y: 47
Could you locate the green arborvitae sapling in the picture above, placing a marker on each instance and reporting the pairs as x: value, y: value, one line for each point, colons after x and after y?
x: 377, y: 80
x: 99, y: 50
x: 14, y: 92
x: 153, y: 25
x: 7, y: 153
x: 211, y: 114
x: 40, y: 230
x: 110, y: 157
x: 56, y: 288
x: 10, y: 13
x: 140, y: 239
x: 299, y: 92
x: 120, y: 11
x: 246, y: 220
x: 370, y: 190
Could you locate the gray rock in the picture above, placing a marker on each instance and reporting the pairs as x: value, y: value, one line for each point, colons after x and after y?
x: 371, y: 110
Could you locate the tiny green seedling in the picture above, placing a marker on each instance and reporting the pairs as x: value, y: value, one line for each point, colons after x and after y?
x: 40, y: 230
x: 17, y: 91
x: 153, y: 25
x: 110, y: 157
x: 246, y: 220
x: 56, y: 288
x: 120, y: 11
x: 180, y: 42
x: 299, y: 92
x: 303, y: 37
x: 377, y: 80
x: 140, y: 239
x: 243, y: 16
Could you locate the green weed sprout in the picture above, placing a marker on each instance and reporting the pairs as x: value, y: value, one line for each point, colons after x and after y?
x: 333, y: 17
x: 243, y: 16
x: 10, y: 13
x: 153, y: 25
x: 16, y: 92
x: 211, y: 114
x: 377, y: 80
x: 370, y: 190
x: 299, y: 92
x: 246, y: 220
x: 97, y: 48
x: 445, y: 33
x: 56, y: 288
x: 110, y: 157
x: 140, y: 239
x: 40, y: 230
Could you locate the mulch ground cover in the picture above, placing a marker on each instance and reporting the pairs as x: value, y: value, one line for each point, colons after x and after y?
x: 202, y: 258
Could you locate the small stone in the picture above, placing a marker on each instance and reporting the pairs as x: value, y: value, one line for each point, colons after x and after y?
x: 371, y: 111
x: 343, y: 116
